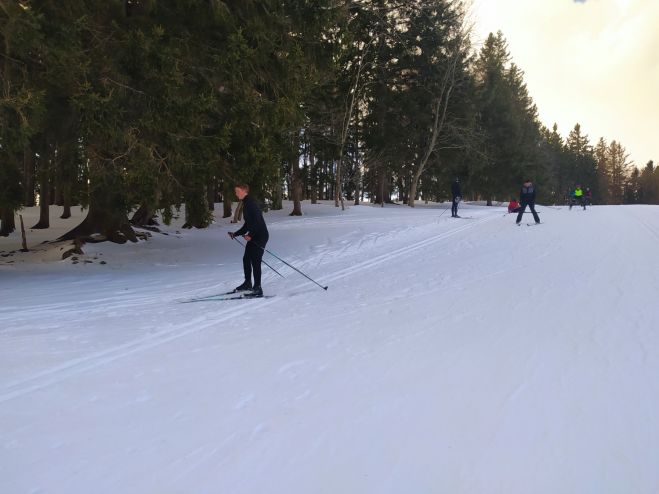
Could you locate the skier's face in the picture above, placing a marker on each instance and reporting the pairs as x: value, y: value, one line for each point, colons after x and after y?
x: 240, y: 193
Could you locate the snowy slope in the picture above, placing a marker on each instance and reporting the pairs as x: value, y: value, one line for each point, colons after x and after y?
x: 448, y: 355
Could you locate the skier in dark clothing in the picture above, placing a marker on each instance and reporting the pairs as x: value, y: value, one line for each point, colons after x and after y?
x: 457, y: 196
x: 256, y: 234
x: 588, y: 196
x: 527, y: 198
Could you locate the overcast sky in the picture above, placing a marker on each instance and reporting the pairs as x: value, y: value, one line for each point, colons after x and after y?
x: 593, y: 62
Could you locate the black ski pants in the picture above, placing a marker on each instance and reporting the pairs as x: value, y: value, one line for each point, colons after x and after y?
x: 579, y: 200
x: 454, y: 206
x: 252, y: 260
x: 522, y: 208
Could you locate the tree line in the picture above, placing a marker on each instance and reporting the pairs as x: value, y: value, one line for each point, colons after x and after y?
x: 132, y: 108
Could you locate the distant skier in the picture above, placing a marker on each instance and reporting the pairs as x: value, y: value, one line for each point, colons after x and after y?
x: 578, y: 197
x: 527, y: 198
x: 256, y: 233
x: 588, y: 196
x: 457, y: 196
x: 513, y: 206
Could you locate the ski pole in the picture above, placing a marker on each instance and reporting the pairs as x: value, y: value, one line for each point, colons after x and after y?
x: 445, y: 209
x: 239, y: 242
x: 293, y: 267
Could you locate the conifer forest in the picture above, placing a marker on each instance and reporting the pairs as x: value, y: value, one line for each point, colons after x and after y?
x: 132, y: 108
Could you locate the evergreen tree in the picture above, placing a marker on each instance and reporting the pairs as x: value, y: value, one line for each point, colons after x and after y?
x: 618, y: 168
x: 603, y: 179
x: 508, y: 119
x: 649, y: 185
x: 21, y: 103
x: 554, y: 156
x: 581, y: 161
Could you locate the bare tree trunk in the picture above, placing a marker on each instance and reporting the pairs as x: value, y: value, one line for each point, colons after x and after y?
x: 44, y: 204
x: 379, y: 198
x: 439, y: 109
x: 212, y: 192
x: 24, y: 249
x: 8, y: 222
x: 144, y: 216
x: 358, y: 170
x: 28, y: 176
x: 43, y: 174
x: 277, y: 194
x: 104, y: 218
x: 296, y: 185
x: 226, y: 200
x: 338, y: 186
x: 437, y: 128
x: 66, y: 192
x: 197, y: 213
x: 112, y: 225
x: 346, y: 125
x: 313, y: 177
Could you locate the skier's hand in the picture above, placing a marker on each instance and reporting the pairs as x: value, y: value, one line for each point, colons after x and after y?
x: 248, y: 238
x: 232, y: 235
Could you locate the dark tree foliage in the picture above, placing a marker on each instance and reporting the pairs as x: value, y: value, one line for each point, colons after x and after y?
x: 133, y: 108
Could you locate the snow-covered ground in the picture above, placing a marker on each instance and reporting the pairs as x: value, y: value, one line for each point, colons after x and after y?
x: 447, y: 356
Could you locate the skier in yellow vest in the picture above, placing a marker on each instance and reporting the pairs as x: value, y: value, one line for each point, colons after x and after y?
x: 578, y: 197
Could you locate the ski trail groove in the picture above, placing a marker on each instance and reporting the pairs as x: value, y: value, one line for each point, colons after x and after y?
x: 69, y: 369
x: 397, y: 252
x: 54, y: 375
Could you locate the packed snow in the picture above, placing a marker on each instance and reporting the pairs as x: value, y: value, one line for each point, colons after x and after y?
x: 448, y: 355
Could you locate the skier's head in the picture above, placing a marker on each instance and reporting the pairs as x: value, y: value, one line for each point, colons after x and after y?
x: 527, y: 181
x: 457, y: 180
x: 241, y: 191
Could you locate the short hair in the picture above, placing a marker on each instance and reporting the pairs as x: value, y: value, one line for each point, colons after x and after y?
x: 243, y: 186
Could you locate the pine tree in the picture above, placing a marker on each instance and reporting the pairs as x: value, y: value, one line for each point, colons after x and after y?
x: 554, y: 156
x: 508, y: 119
x: 618, y: 168
x: 21, y: 103
x: 581, y: 161
x: 603, y: 195
x: 649, y: 185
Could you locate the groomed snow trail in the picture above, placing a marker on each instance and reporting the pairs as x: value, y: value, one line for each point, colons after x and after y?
x: 447, y: 356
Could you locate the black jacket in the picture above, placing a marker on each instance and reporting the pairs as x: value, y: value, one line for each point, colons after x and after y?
x: 527, y: 194
x: 455, y: 190
x: 254, y: 222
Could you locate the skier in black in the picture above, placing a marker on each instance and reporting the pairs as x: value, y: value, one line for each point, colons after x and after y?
x: 457, y: 196
x: 256, y: 234
x: 527, y: 198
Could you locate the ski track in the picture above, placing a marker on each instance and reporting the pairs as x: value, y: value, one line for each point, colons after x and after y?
x: 72, y: 368
x: 563, y: 406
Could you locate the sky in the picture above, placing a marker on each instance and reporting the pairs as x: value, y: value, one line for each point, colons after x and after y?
x: 592, y: 62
